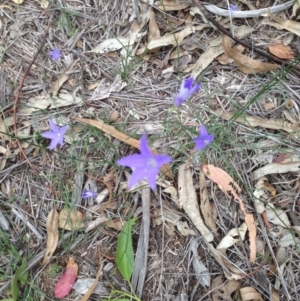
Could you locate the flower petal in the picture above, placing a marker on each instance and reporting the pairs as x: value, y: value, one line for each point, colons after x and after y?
x: 162, y: 159
x: 133, y: 161
x: 203, y: 131
x: 151, y: 178
x: 53, y: 143
x: 188, y: 83
x: 48, y: 135
x: 144, y: 148
x: 200, y: 144
x: 136, y: 176
x: 53, y: 127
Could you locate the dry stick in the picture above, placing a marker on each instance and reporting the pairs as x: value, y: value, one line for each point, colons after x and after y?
x: 19, y: 92
x: 228, y: 33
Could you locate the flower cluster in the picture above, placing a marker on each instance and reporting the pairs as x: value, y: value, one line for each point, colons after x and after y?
x: 145, y: 165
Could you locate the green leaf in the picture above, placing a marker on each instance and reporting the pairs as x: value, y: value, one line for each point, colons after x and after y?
x: 19, y: 277
x: 125, y: 255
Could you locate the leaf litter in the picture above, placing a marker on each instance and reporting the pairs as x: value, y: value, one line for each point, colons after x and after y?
x: 199, y: 199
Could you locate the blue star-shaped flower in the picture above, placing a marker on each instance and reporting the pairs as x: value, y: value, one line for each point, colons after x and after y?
x: 233, y: 7
x: 88, y: 194
x: 144, y: 165
x: 204, y: 139
x: 56, y: 134
x: 186, y: 90
x: 55, y: 54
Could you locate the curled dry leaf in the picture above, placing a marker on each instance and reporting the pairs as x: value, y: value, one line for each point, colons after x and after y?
x: 67, y: 280
x: 281, y: 51
x: 232, y: 237
x: 61, y: 79
x: 70, y: 219
x: 154, y: 32
x: 188, y: 200
x: 223, y: 292
x: 288, y: 25
x: 215, y: 49
x: 274, y: 168
x: 205, y: 205
x: 172, y: 219
x: 249, y: 293
x: 47, y: 101
x: 231, y: 189
x: 169, y: 39
x: 52, y: 234
x: 225, y: 60
x: 3, y: 131
x: 274, y: 124
x: 244, y: 63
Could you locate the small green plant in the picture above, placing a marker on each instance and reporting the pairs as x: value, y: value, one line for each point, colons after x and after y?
x: 125, y: 262
x: 20, y: 276
x: 54, y: 270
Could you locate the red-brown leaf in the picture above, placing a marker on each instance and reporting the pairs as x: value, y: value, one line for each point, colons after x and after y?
x: 67, y: 280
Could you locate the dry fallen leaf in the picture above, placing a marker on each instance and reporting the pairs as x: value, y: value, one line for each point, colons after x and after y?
x: 232, y: 237
x: 188, y: 200
x: 61, y: 79
x: 168, y: 5
x: 249, y: 293
x: 43, y: 3
x: 222, y: 290
x: 154, y: 32
x: 275, y: 124
x: 288, y: 25
x: 281, y: 51
x: 18, y: 1
x: 206, y: 206
x: 244, y: 63
x: 46, y: 101
x: 3, y: 131
x: 52, y: 234
x: 67, y: 280
x: 70, y: 219
x: 215, y: 49
x: 225, y: 60
x: 231, y: 189
x: 168, y: 39
x: 274, y: 168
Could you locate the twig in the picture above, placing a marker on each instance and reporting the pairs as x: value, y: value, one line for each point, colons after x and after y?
x: 18, y: 92
x: 228, y: 33
x: 141, y: 258
x: 248, y: 13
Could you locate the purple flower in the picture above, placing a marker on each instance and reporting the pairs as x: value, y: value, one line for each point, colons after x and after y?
x: 145, y: 165
x: 56, y: 134
x: 186, y: 90
x: 233, y: 7
x: 88, y: 194
x: 204, y: 139
x: 55, y: 54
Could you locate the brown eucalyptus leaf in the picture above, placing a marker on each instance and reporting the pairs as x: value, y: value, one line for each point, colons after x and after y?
x: 281, y: 51
x: 232, y: 189
x: 52, y: 234
x: 70, y: 219
x: 249, y: 293
x: 188, y: 200
x: 244, y: 63
x: 223, y: 292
